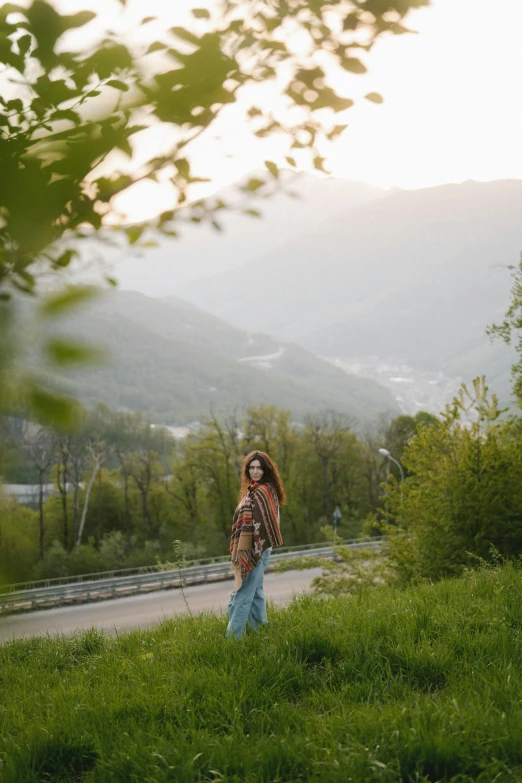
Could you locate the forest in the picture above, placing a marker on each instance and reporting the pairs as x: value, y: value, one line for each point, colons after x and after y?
x: 124, y: 490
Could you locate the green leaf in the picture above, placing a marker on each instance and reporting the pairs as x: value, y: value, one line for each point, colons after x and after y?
x: 47, y: 26
x: 336, y: 131
x: 201, y: 13
x: 353, y: 65
x: 67, y: 300
x: 272, y: 168
x: 24, y: 281
x: 252, y: 213
x: 291, y: 161
x: 185, y: 35
x: 134, y: 233
x: 77, y: 20
x: 254, y: 184
x: 374, y: 97
x: 157, y: 46
x: 117, y: 84
x: 124, y: 145
x: 50, y: 407
x: 149, y: 19
x: 24, y: 44
x: 15, y: 105
x: 60, y: 351
x: 66, y: 114
x: 64, y: 260
x: 319, y: 164
x: 183, y: 167
x: 109, y: 59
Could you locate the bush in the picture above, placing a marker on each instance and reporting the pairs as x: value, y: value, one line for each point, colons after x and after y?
x: 114, y: 548
x: 19, y: 547
x: 145, y: 554
x: 463, y: 492
x: 54, y: 564
x: 85, y: 559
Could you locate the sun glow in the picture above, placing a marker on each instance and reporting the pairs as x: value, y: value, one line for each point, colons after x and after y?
x: 452, y: 110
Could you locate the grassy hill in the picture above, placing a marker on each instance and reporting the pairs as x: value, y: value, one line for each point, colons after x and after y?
x: 174, y: 362
x: 391, y: 686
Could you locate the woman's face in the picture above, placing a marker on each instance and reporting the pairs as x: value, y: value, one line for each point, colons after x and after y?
x: 255, y: 471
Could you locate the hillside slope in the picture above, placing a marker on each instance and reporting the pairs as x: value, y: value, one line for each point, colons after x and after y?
x: 200, y: 251
x: 417, y: 684
x: 417, y: 275
x: 176, y: 362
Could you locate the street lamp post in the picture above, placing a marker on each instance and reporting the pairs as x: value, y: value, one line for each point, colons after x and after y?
x: 336, y: 519
x: 386, y: 453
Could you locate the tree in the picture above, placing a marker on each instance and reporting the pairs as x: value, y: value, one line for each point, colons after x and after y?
x: 184, y: 486
x: 327, y: 433
x: 463, y: 491
x: 216, y: 450
x: 19, y: 546
x: 40, y: 443
x: 98, y: 453
x: 144, y: 469
x: 69, y: 117
x: 510, y: 330
x: 62, y: 481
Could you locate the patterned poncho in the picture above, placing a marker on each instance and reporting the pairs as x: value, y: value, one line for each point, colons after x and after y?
x: 255, y: 528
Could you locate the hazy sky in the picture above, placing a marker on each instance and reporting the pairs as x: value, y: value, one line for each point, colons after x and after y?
x: 452, y: 111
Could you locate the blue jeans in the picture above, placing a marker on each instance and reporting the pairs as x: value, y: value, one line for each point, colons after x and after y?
x: 248, y: 603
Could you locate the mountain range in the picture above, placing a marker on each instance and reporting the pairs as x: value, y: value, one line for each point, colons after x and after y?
x: 413, y: 275
x: 200, y: 251
x: 175, y: 362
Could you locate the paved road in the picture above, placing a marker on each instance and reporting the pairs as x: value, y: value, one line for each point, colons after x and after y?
x: 142, y: 611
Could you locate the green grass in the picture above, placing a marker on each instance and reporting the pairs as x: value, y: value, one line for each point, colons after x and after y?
x: 423, y: 684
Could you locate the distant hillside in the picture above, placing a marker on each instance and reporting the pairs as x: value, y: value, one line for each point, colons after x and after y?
x: 175, y: 362
x: 201, y: 251
x: 481, y: 357
x: 416, y: 275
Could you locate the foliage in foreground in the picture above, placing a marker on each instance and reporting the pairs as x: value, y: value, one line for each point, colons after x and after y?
x: 413, y: 685
x: 79, y: 121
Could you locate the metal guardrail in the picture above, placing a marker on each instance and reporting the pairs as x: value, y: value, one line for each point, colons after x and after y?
x: 116, y: 587
x: 34, y: 584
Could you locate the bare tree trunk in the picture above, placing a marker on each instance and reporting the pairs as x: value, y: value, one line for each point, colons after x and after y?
x: 98, y: 460
x: 145, y: 509
x: 126, y: 502
x: 76, y: 510
x: 62, y: 476
x: 41, y: 446
x: 41, y: 512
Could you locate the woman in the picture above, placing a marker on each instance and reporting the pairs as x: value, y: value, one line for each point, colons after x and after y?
x: 255, y: 531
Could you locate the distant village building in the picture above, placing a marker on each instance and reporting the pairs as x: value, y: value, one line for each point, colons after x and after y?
x: 28, y: 494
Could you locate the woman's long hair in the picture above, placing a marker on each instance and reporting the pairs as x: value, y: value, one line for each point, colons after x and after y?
x: 270, y: 475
